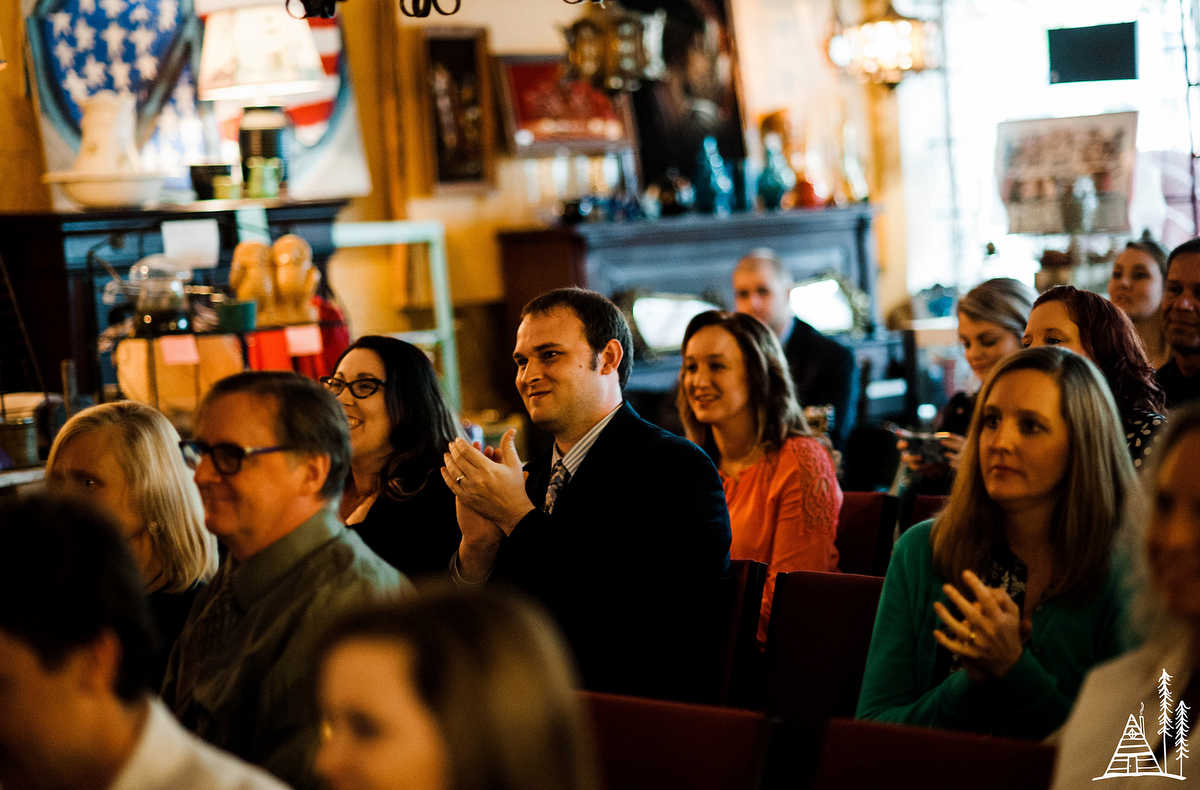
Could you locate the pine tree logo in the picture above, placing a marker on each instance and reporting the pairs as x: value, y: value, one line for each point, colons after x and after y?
x: 1133, y: 756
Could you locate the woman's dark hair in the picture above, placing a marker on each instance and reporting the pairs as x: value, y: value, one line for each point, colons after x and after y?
x: 777, y: 414
x: 422, y: 423
x: 494, y: 673
x: 1112, y: 343
x: 67, y: 576
x: 1146, y: 244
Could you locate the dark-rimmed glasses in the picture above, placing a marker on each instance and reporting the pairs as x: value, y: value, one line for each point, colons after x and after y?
x: 227, y: 458
x: 360, y: 388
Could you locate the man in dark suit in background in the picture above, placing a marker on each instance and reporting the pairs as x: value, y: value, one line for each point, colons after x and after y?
x: 822, y: 369
x: 621, y: 530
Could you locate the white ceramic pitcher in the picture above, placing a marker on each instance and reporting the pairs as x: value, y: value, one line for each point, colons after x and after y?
x: 109, y: 124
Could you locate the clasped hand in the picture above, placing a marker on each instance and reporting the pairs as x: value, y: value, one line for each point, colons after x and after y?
x: 491, y: 483
x: 989, y: 637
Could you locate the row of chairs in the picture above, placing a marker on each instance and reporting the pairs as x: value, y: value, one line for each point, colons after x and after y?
x: 808, y: 604
x: 645, y: 744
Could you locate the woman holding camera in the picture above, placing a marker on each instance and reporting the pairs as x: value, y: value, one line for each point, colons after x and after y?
x: 991, y: 321
x: 992, y: 613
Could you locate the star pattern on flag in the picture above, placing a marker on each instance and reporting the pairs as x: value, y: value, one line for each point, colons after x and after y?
x: 113, y: 8
x: 122, y: 45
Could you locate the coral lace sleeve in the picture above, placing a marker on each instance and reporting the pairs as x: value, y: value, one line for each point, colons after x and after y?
x: 784, y: 512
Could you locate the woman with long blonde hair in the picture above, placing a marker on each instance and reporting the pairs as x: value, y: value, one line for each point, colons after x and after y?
x: 993, y: 612
x: 124, y: 457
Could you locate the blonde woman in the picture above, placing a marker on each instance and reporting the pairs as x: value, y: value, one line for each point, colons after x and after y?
x: 991, y: 322
x: 450, y: 690
x: 992, y: 613
x: 124, y: 457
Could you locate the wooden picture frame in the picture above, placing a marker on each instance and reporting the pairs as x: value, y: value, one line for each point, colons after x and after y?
x: 458, y: 109
x: 545, y: 115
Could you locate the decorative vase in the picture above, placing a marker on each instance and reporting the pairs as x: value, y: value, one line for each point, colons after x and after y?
x: 713, y: 184
x: 777, y: 178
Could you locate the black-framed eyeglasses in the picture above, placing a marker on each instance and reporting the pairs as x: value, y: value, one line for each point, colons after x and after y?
x: 227, y: 458
x: 360, y: 388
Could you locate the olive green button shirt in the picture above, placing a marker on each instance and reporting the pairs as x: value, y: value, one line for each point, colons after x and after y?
x: 240, y: 675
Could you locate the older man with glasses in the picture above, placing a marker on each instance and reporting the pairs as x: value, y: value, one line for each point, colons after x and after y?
x: 271, y: 452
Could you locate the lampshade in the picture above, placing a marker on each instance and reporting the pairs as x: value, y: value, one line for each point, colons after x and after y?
x: 256, y: 53
x: 886, y: 48
x: 3, y: 62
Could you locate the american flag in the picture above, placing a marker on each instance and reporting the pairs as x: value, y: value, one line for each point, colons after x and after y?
x: 121, y: 45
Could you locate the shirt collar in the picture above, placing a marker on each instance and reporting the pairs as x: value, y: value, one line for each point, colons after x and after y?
x: 787, y: 331
x: 253, y: 578
x: 159, y: 750
x: 575, y: 456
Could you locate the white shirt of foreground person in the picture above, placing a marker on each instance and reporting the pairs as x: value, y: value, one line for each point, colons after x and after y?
x: 1111, y: 693
x: 168, y: 757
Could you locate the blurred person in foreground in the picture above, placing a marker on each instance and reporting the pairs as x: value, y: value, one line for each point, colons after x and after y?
x: 993, y: 612
x: 271, y: 452
x: 450, y: 690
x: 76, y: 648
x: 124, y: 457
x: 736, y: 402
x: 1165, y: 543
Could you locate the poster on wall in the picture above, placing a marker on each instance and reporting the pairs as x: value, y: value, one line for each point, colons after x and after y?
x: 1067, y: 175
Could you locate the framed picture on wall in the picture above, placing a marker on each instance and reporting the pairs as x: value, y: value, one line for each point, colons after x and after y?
x: 459, y: 126
x: 545, y: 113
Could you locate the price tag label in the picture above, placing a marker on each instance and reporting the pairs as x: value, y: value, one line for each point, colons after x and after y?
x: 304, y: 340
x: 179, y: 350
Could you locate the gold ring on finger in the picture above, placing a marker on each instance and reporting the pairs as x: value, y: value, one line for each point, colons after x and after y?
x: 458, y: 481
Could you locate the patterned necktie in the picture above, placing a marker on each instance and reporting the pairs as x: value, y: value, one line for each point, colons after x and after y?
x: 559, y: 477
x: 218, y: 618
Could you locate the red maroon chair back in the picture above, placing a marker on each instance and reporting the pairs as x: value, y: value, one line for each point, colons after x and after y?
x: 646, y: 744
x: 867, y: 755
x: 817, y: 642
x: 741, y: 640
x: 864, y: 534
x: 924, y: 508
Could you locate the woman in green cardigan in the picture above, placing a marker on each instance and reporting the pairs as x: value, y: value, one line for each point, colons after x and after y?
x: 992, y: 613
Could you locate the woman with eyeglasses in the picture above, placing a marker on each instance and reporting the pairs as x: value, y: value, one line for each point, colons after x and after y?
x: 124, y: 457
x: 400, y: 425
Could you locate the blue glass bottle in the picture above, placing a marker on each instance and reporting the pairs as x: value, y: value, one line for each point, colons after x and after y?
x: 777, y: 177
x: 712, y: 182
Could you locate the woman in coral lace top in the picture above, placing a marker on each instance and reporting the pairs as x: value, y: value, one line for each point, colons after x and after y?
x: 737, y: 401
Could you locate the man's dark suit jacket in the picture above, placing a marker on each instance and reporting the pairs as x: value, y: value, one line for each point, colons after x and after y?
x: 633, y: 563
x: 824, y: 372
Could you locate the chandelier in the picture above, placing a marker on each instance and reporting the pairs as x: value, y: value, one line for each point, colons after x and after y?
x: 886, y: 48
